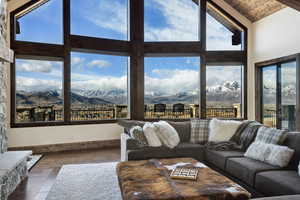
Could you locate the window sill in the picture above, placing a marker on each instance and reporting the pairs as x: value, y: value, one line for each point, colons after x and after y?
x: 59, y: 123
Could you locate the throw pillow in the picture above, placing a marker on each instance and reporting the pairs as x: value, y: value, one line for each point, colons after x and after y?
x: 167, y: 134
x: 199, y: 131
x: 270, y: 135
x: 222, y: 130
x: 270, y: 153
x: 280, y: 155
x: 150, y: 133
x: 137, y: 133
x: 258, y: 151
x: 183, y: 129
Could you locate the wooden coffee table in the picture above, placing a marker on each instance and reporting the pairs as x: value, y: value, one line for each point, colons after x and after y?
x: 150, y: 179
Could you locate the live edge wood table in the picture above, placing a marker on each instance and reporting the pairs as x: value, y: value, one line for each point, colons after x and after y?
x: 150, y: 180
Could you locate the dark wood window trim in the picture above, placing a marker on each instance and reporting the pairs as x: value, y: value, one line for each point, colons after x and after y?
x: 259, y: 87
x: 135, y: 48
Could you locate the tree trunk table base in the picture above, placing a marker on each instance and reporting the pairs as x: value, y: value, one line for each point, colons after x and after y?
x: 150, y: 179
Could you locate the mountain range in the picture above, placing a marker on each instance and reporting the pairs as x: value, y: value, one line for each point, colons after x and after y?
x: 229, y: 92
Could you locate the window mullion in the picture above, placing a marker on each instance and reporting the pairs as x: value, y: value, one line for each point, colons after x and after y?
x: 67, y: 61
x: 202, y: 105
x: 278, y: 96
x: 297, y: 92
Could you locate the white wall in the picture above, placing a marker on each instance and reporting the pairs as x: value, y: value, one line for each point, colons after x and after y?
x: 62, y: 134
x: 277, y: 35
x: 273, y: 37
x: 69, y: 134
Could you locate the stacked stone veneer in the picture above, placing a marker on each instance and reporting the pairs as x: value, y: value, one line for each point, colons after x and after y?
x: 3, y: 75
x: 13, y: 164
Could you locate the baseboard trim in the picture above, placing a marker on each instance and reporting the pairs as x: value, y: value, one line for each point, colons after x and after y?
x: 102, y: 144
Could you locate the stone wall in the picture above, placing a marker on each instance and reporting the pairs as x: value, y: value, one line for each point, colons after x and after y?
x: 3, y: 75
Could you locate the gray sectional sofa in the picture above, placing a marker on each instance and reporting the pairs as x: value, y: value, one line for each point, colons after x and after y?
x: 261, y: 179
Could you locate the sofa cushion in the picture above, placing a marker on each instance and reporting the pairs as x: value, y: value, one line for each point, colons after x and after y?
x: 245, y: 169
x: 219, y: 158
x: 279, y: 182
x: 292, y: 140
x: 183, y: 129
x: 195, y: 151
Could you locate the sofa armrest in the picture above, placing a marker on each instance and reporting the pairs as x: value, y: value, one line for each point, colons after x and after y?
x: 127, y: 143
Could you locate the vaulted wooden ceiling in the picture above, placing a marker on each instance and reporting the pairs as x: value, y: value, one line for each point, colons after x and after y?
x: 255, y: 10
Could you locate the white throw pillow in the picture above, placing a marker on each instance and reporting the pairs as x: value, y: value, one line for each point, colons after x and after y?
x: 167, y: 134
x: 222, y: 130
x: 270, y: 153
x: 150, y: 133
x: 280, y: 155
x: 258, y: 151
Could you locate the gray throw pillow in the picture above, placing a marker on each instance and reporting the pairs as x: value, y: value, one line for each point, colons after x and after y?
x: 270, y: 135
x: 199, y: 131
x: 137, y: 133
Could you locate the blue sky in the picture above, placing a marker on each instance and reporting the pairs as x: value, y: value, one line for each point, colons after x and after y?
x: 168, y: 20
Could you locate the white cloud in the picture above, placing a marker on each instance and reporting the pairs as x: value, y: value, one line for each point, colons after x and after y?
x: 31, y: 84
x: 110, y: 15
x: 164, y: 81
x: 99, y: 63
x: 77, y: 60
x: 182, y: 21
x: 175, y: 81
x: 104, y: 83
x: 217, y: 75
x: 35, y: 66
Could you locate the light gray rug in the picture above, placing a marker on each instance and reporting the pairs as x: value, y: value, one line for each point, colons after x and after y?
x: 86, y: 182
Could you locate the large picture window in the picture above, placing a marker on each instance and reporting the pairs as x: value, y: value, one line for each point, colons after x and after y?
x: 85, y: 62
x: 172, y: 87
x: 41, y: 25
x: 39, y: 95
x: 222, y: 33
x: 224, y: 91
x: 103, y: 19
x: 98, y: 87
x: 171, y: 20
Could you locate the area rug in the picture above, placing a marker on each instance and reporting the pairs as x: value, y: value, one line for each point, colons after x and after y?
x: 86, y: 182
x: 33, y: 160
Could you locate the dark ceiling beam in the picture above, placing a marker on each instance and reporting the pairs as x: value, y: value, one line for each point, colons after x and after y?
x: 291, y: 3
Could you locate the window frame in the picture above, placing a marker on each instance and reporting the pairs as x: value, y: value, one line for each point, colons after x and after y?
x: 242, y: 92
x: 259, y: 87
x: 136, y: 48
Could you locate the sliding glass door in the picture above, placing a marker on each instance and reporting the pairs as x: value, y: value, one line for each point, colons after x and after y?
x: 269, y: 96
x: 279, y: 95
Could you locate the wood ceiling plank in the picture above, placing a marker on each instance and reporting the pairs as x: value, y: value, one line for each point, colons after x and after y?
x: 255, y: 10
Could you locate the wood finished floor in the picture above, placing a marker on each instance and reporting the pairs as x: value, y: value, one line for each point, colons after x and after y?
x: 42, y: 176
